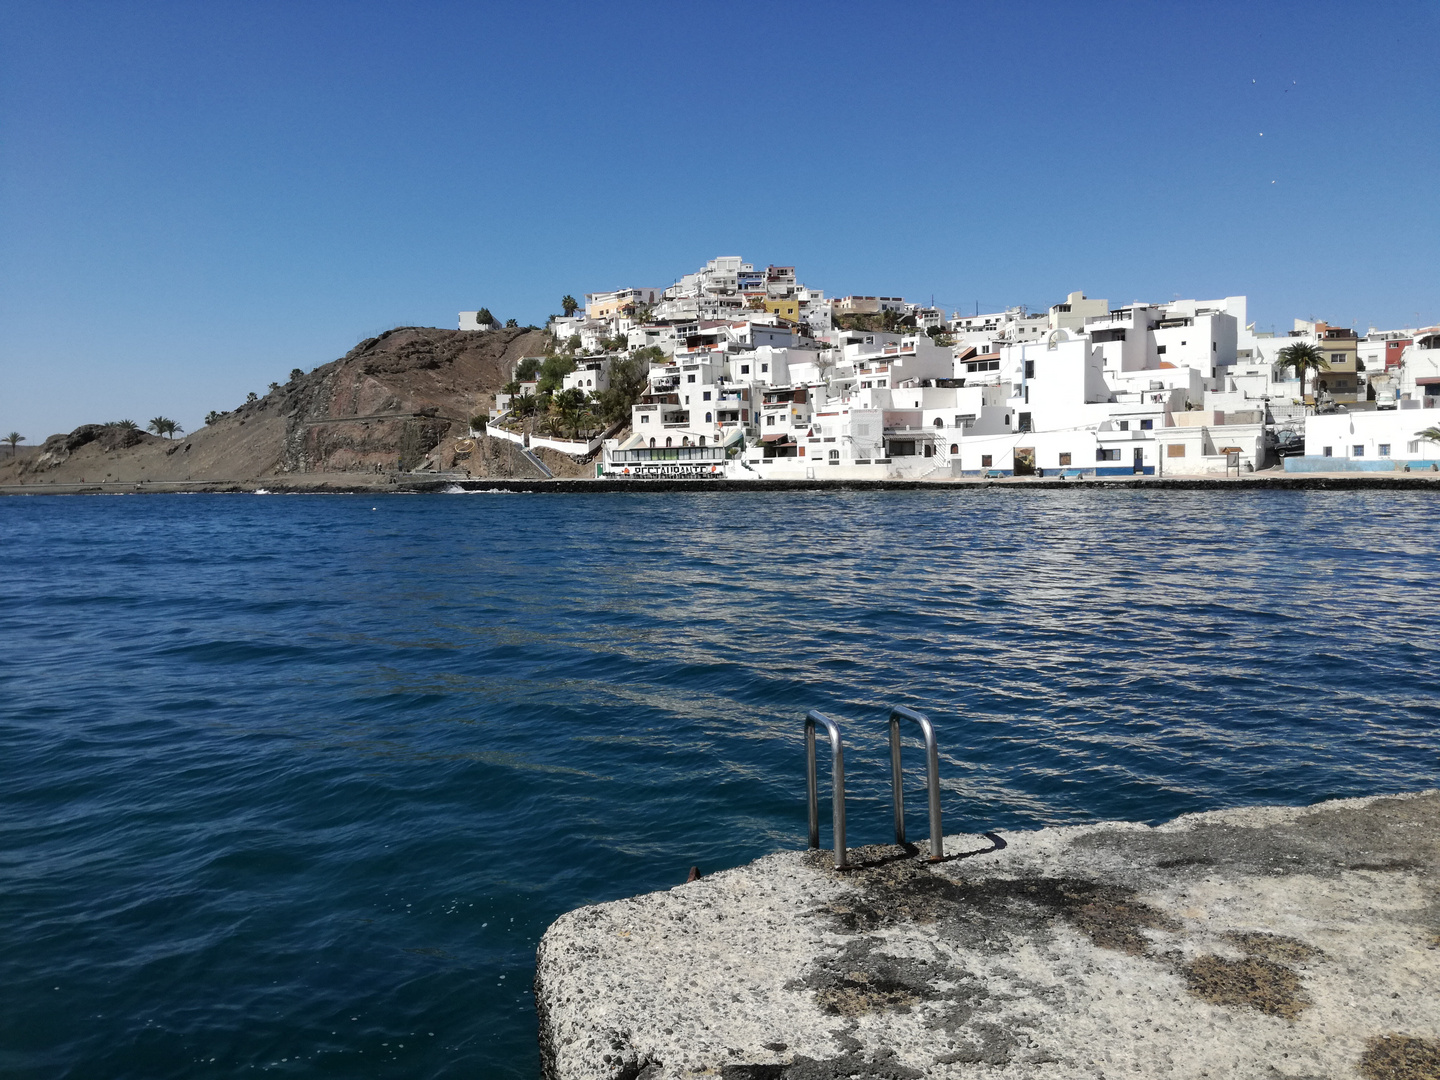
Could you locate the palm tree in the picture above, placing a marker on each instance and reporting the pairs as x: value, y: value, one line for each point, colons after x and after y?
x: 571, y: 406
x: 13, y: 438
x: 1430, y: 434
x: 163, y: 426
x: 128, y: 425
x: 1303, y: 357
x: 570, y: 304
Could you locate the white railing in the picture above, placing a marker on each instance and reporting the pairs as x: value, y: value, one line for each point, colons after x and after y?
x: 573, y: 447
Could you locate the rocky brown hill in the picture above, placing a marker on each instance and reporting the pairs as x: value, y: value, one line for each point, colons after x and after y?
x: 400, y: 402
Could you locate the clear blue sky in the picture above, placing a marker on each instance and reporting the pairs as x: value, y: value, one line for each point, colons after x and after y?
x: 197, y: 197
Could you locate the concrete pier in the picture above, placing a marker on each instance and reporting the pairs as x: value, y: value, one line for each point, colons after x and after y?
x: 1270, y: 942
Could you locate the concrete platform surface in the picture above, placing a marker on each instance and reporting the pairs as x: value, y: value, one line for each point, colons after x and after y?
x: 1272, y: 942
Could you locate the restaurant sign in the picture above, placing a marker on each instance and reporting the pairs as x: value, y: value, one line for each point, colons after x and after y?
x: 653, y: 470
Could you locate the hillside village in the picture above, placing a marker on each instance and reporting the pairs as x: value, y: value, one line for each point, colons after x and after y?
x: 741, y: 371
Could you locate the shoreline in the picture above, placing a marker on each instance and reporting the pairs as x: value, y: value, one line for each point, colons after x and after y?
x: 407, y: 485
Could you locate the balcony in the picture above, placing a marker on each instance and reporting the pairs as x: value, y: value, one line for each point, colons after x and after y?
x: 1125, y: 317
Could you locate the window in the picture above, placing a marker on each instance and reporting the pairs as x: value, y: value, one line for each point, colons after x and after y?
x: 1329, y: 451
x: 687, y: 399
x: 1413, y: 446
x: 954, y: 448
x: 1024, y: 421
x: 1102, y: 454
x: 985, y: 460
x: 1358, y: 450
x: 1064, y: 459
x: 764, y: 367
x: 1147, y: 425
x: 1160, y: 350
x: 1383, y: 449
x: 835, y: 456
x: 652, y: 443
x: 669, y: 441
x: 744, y: 369
x: 770, y: 420
x: 644, y: 418
x: 706, y: 396
x: 1214, y: 347
x: 1029, y: 369
x: 1124, y: 425
x: 708, y: 421
x: 689, y: 378
x: 939, y: 423
x: 1337, y: 358
x: 1007, y: 419
x: 1175, y: 449
x: 1183, y: 343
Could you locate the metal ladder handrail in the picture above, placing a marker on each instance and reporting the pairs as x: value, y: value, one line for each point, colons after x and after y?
x: 932, y: 770
x: 837, y: 780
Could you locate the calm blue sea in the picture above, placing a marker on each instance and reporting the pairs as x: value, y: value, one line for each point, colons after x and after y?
x: 293, y: 784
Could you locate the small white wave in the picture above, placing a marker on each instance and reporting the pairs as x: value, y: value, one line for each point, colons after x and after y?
x: 261, y: 491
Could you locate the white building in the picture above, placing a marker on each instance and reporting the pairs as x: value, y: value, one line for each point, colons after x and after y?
x: 591, y: 374
x: 1179, y: 388
x: 1369, y: 441
x: 988, y: 332
x: 1420, y: 369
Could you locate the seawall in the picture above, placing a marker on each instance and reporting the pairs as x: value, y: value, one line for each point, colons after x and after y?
x: 342, y: 484
x: 1270, y: 942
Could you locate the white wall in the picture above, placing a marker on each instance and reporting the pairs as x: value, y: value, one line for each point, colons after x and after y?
x: 1377, y: 435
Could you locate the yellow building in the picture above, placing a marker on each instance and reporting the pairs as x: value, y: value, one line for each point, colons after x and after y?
x: 789, y: 310
x: 608, y: 305
x: 1342, y: 380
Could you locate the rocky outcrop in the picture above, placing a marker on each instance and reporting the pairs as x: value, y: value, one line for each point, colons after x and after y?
x: 1265, y: 943
x: 58, y: 449
x: 398, y: 402
x: 393, y: 399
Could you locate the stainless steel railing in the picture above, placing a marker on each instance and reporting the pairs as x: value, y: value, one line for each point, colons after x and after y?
x: 837, y: 782
x: 932, y: 773
x: 816, y: 718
